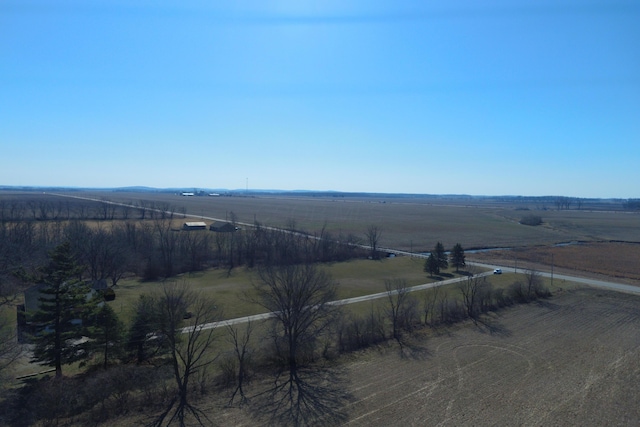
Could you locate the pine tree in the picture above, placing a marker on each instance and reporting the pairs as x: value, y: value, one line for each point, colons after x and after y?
x: 431, y: 265
x: 143, y: 340
x: 63, y: 305
x: 457, y: 257
x: 108, y: 333
x: 441, y: 256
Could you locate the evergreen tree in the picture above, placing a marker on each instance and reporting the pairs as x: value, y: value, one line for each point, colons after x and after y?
x: 441, y: 256
x: 457, y: 257
x: 431, y: 265
x: 144, y: 340
x: 63, y: 305
x: 108, y: 333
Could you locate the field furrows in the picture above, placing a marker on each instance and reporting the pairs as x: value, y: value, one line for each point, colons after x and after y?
x: 574, y: 360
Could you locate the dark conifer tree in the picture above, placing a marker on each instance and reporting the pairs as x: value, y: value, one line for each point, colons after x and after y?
x: 457, y: 257
x: 441, y: 256
x: 63, y: 304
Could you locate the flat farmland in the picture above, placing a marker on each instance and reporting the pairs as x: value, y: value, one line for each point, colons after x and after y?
x: 412, y: 224
x: 574, y: 360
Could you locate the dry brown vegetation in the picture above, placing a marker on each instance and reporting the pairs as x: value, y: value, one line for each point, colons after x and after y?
x: 607, y: 259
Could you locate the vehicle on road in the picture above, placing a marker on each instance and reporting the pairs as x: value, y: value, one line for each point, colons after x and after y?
x: 497, y: 271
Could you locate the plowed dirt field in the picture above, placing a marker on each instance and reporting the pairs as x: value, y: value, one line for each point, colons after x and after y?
x: 574, y: 360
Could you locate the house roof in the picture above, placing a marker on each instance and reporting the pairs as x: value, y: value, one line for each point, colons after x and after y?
x: 195, y: 224
x: 223, y: 227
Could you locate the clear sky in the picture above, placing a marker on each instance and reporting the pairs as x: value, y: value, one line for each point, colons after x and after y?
x: 529, y: 97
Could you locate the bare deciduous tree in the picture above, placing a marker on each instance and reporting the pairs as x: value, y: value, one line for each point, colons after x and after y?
x: 430, y: 298
x: 373, y: 235
x: 298, y: 296
x: 533, y: 281
x: 242, y: 353
x: 401, y: 308
x: 190, y: 346
x: 472, y: 290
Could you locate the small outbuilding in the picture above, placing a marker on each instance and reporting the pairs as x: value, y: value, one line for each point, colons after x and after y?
x: 223, y: 227
x: 194, y: 226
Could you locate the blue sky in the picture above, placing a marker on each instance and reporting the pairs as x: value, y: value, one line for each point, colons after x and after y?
x: 466, y: 97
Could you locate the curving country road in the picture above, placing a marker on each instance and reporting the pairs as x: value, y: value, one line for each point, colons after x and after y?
x: 618, y: 287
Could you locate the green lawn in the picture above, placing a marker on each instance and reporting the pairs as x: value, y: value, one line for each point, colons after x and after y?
x: 233, y: 293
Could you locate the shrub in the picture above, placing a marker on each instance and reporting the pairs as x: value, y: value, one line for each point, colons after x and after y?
x: 532, y: 220
x: 109, y: 294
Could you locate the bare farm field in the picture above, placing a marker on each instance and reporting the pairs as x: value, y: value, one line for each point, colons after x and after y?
x: 574, y: 360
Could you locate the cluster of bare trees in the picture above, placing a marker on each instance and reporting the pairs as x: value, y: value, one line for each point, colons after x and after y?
x: 405, y: 311
x: 42, y: 207
x: 153, y: 248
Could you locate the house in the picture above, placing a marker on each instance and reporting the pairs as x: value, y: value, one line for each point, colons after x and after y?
x: 194, y: 226
x: 33, y: 302
x: 223, y: 227
x: 32, y: 295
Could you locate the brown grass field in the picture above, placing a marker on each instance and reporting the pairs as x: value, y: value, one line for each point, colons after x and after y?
x: 605, y: 260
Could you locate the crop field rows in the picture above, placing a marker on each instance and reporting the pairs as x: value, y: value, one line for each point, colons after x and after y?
x: 411, y: 224
x: 572, y: 361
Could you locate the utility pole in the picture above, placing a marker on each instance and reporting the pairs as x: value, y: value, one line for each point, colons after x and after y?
x: 551, y: 271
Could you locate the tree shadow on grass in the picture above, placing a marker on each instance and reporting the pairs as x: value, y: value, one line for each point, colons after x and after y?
x: 442, y: 276
x: 547, y: 304
x: 412, y: 348
x: 313, y: 396
x: 492, y: 327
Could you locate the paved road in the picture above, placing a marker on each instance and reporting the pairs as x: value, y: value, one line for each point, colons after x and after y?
x: 618, y: 287
x: 590, y: 282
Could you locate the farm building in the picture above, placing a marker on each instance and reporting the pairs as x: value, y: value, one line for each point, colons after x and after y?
x: 223, y: 227
x: 194, y: 226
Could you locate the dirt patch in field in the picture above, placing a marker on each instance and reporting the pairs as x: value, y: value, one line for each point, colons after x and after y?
x: 602, y: 260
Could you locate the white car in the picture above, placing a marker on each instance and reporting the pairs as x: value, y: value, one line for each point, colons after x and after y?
x: 497, y: 271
